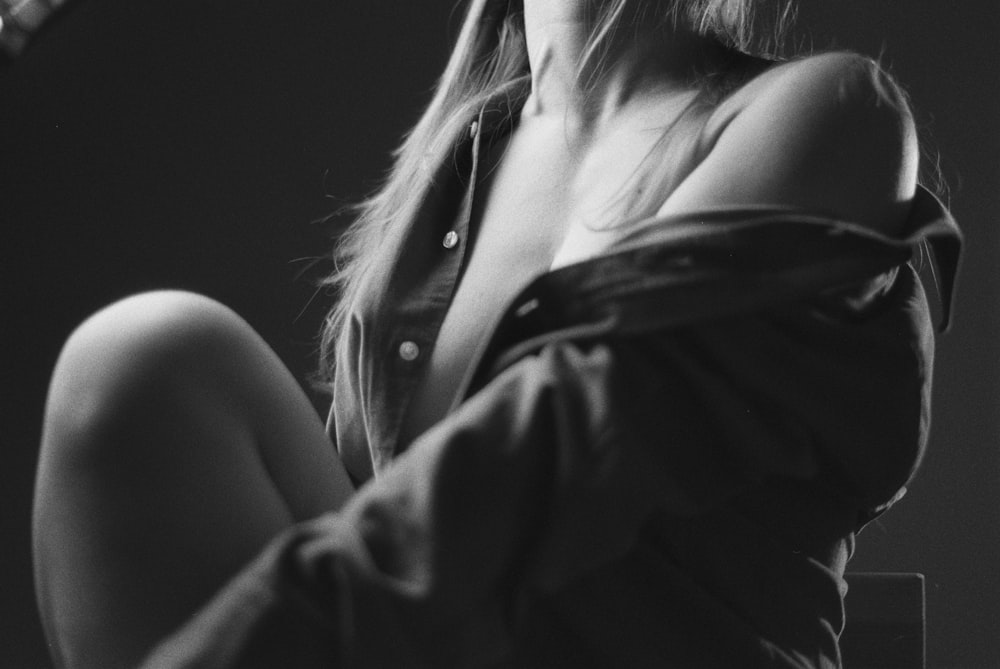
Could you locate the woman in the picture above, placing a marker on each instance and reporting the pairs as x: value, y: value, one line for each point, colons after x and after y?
x: 627, y: 350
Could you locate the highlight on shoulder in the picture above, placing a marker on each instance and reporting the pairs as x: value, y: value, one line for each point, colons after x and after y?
x: 830, y: 133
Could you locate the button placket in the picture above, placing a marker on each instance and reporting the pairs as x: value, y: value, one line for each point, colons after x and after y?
x: 476, y: 135
x: 452, y: 238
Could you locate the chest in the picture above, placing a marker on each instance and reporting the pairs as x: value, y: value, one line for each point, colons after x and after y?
x: 543, y: 201
x: 538, y: 199
x: 545, y: 196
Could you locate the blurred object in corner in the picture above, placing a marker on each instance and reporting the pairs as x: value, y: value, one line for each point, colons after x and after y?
x: 19, y: 20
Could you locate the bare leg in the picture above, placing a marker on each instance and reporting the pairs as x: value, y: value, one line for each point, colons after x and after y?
x: 175, y: 446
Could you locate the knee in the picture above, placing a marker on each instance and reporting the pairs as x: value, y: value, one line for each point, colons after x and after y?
x: 128, y: 358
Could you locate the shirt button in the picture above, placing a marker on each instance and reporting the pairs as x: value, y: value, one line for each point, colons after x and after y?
x: 526, y: 308
x: 409, y: 351
x: 450, y: 240
x: 474, y: 129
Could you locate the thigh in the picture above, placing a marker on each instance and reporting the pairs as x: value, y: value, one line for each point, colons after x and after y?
x: 176, y: 445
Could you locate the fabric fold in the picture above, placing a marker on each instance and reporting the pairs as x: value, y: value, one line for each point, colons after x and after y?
x: 629, y: 414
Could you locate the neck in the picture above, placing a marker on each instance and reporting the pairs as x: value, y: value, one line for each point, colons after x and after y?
x: 642, y: 55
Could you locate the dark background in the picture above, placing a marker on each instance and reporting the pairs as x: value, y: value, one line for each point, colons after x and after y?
x: 155, y: 143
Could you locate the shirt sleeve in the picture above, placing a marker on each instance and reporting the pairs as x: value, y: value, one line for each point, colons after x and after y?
x: 552, y: 469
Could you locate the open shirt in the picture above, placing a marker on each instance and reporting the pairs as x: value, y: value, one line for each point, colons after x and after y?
x: 660, y: 457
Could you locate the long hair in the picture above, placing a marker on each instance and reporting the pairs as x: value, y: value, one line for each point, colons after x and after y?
x: 489, y: 55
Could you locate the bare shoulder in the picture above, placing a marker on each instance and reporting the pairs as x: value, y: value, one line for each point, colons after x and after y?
x: 847, y: 76
x: 830, y: 133
x: 838, y: 87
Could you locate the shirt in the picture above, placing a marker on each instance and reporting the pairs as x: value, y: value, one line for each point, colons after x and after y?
x: 660, y: 457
